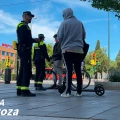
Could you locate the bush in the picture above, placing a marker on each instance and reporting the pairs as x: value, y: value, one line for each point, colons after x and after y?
x: 13, y: 76
x: 114, y: 76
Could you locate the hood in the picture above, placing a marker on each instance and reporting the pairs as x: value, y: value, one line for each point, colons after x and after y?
x: 67, y: 13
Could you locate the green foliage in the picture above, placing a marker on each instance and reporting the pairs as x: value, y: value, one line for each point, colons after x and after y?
x: 114, y: 75
x: 15, y: 64
x: 113, y: 65
x: 11, y: 61
x: 88, y: 66
x: 106, y: 5
x: 118, y: 60
x: 2, y: 65
x: 102, y: 58
x: 97, y: 45
x: 13, y: 76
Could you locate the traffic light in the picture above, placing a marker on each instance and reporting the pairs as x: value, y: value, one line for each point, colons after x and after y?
x: 7, y: 64
x: 7, y: 61
x: 94, y: 56
x: 93, y: 62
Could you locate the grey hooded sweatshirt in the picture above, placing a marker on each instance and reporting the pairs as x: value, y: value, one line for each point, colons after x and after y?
x: 71, y: 33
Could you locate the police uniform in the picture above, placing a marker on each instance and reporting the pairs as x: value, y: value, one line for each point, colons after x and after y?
x: 40, y: 54
x: 24, y: 47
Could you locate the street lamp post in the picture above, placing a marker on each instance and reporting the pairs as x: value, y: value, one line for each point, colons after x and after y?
x: 32, y: 22
x: 108, y: 41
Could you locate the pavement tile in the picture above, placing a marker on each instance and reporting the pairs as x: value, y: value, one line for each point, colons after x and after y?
x: 49, y: 105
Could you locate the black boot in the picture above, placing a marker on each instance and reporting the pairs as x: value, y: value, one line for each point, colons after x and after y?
x: 27, y: 93
x: 18, y: 92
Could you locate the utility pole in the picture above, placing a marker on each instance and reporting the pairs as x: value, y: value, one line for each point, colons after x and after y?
x: 108, y: 41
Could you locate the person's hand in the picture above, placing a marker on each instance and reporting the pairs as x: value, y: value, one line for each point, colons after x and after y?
x: 37, y: 40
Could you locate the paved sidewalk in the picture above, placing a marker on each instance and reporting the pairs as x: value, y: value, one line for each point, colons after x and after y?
x: 49, y: 105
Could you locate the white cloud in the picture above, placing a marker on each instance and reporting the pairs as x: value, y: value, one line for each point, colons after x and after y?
x: 74, y: 3
x: 45, y: 27
x: 7, y: 22
x: 43, y: 24
x: 94, y: 20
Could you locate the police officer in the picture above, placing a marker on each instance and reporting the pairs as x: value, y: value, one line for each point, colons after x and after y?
x: 24, y: 47
x: 40, y: 54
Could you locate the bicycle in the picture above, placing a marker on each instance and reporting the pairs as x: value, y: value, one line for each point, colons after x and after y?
x: 85, y: 79
x: 49, y: 76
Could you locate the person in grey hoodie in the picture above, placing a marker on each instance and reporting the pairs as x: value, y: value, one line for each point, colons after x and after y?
x: 71, y: 34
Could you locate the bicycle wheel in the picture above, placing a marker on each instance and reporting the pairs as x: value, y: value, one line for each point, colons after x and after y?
x: 85, y: 79
x: 50, y: 78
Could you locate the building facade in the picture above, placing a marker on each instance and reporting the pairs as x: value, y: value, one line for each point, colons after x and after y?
x: 6, y: 51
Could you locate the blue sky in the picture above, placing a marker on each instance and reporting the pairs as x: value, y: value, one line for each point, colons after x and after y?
x: 49, y: 17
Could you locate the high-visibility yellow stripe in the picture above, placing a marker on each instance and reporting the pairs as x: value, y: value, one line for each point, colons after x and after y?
x: 35, y: 82
x: 24, y: 88
x: 42, y: 43
x: 39, y: 82
x: 18, y: 87
x: 20, y: 24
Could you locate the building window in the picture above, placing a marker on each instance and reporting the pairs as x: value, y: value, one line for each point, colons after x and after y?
x: 3, y: 60
x: 12, y: 54
x: 7, y: 53
x: 3, y: 52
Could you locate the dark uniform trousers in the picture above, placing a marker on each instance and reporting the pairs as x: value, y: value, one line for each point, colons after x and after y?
x: 25, y: 71
x: 40, y: 72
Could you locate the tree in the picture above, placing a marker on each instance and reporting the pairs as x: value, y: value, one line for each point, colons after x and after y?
x: 106, y: 5
x: 118, y: 60
x: 103, y: 59
x: 113, y: 65
x: 15, y: 64
x: 88, y: 66
x: 97, y: 45
x: 2, y: 65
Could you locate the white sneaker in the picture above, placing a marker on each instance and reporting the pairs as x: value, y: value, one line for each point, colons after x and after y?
x: 78, y: 95
x: 65, y: 95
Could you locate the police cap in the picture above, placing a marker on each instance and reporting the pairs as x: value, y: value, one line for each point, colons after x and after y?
x: 55, y: 36
x: 41, y: 36
x: 28, y: 13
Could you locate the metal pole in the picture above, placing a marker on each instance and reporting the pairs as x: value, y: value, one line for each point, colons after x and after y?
x: 108, y: 41
x: 32, y: 23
